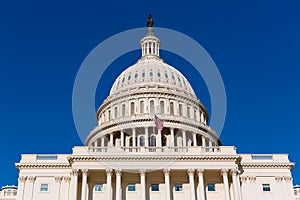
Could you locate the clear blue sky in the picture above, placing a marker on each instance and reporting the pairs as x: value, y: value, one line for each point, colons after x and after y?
x: 43, y: 43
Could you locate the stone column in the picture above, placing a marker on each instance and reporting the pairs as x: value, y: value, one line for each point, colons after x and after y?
x: 122, y: 138
x: 102, y: 142
x: 118, y: 184
x: 65, y: 186
x: 29, y: 188
x: 108, y: 184
x: 143, y: 184
x: 192, y: 183
x: 224, y: 173
x: 201, y: 184
x: 158, y: 139
x: 84, y: 183
x: 133, y: 138
x: 234, y: 173
x: 146, y: 136
x: 74, y: 183
x: 111, y: 139
x: 172, y: 137
x: 194, y: 139
x: 184, y: 138
x: 21, y: 186
x: 167, y: 183
x: 58, y: 180
x: 203, y: 141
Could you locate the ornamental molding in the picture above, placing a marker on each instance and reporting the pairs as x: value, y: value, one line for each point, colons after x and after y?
x: 42, y: 166
x: 268, y: 165
x: 133, y: 157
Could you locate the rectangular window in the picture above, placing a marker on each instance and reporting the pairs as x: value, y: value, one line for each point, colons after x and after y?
x: 266, y: 187
x: 261, y: 157
x: 155, y: 187
x: 178, y: 187
x: 131, y: 187
x: 44, y: 188
x: 211, y: 187
x: 99, y: 187
x: 46, y: 157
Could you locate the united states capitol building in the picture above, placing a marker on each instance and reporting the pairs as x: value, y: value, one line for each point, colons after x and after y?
x: 130, y: 156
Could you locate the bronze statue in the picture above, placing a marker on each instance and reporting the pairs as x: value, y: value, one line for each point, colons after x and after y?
x: 150, y: 21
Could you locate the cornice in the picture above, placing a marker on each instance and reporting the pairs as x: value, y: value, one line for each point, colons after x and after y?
x: 268, y: 165
x: 42, y: 165
x: 179, y: 158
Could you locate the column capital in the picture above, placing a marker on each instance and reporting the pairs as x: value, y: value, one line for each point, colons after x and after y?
x: 84, y: 171
x: 31, y: 179
x: 252, y: 179
x: 108, y: 171
x: 118, y: 172
x: 67, y: 179
x: 224, y: 172
x: 75, y: 172
x: 200, y: 171
x: 22, y: 179
x: 288, y: 179
x: 142, y: 171
x: 234, y: 171
x: 278, y: 179
x: 191, y: 171
x: 244, y: 179
x: 166, y: 171
x: 58, y: 179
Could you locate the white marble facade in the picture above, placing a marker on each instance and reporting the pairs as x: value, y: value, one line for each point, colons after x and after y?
x: 126, y: 157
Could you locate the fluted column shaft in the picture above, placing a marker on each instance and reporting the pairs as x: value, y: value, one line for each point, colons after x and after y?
x: 167, y: 183
x: 84, y: 184
x: 118, y: 184
x: 133, y: 137
x: 108, y: 183
x: 143, y: 184
x: 74, y: 183
x: 235, y: 184
x: 201, y: 184
x: 122, y: 138
x: 192, y: 184
x: 224, y: 173
x: 203, y: 141
x: 21, y: 186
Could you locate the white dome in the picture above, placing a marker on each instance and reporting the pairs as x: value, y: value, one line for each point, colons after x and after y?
x: 152, y: 71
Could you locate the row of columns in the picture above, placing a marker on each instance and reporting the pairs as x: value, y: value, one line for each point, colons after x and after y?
x: 200, y: 188
x: 158, y: 139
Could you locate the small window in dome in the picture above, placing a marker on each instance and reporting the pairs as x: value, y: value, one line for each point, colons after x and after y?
x: 158, y: 74
x: 136, y: 75
x: 143, y: 74
x: 151, y: 73
x: 173, y: 77
x: 123, y: 80
x: 179, y: 79
x: 166, y: 75
x: 129, y: 77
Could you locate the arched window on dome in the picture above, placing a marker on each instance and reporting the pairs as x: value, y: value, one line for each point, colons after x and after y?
x: 172, y: 108
x: 123, y: 110
x: 188, y: 113
x: 109, y: 115
x: 162, y: 107
x: 151, y: 107
x: 142, y: 107
x: 180, y: 109
x: 116, y: 112
x: 132, y: 108
x: 142, y: 141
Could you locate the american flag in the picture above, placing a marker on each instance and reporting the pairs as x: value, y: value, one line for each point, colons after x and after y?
x: 159, y: 123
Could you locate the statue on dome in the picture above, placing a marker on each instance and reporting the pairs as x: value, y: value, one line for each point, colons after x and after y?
x: 150, y: 21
